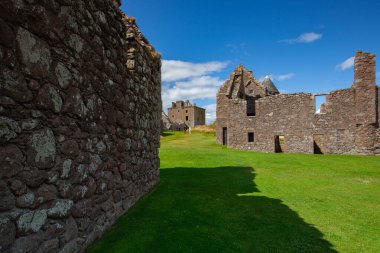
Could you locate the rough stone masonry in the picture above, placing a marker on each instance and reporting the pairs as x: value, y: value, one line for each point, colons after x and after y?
x: 255, y: 116
x: 80, y: 108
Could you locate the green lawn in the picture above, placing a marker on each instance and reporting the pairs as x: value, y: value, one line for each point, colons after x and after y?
x: 213, y: 199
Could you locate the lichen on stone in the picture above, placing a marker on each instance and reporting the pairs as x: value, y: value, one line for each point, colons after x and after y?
x: 66, y: 167
x: 63, y: 75
x: 28, y: 198
x: 32, y: 221
x: 82, y: 171
x: 29, y: 124
x: 33, y: 53
x: 55, y: 98
x: 42, y: 149
x: 61, y: 208
x: 95, y: 162
x: 9, y: 129
x: 76, y: 43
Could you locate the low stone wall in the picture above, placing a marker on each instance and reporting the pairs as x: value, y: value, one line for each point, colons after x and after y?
x: 80, y: 108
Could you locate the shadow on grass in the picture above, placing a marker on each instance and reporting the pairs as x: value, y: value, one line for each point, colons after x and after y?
x: 211, y: 210
x: 164, y: 134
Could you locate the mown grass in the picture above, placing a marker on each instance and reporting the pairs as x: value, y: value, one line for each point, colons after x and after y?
x: 213, y: 199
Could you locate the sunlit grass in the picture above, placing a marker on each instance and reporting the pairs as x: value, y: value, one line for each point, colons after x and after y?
x: 214, y: 199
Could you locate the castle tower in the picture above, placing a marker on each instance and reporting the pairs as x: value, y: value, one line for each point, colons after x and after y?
x: 365, y: 101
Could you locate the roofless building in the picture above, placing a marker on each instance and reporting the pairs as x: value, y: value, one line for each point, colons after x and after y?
x: 253, y: 115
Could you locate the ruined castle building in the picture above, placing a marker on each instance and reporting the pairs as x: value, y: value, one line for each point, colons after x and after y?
x: 255, y: 116
x: 183, y: 113
x: 80, y: 108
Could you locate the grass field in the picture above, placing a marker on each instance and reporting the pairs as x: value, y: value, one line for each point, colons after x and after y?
x: 213, y: 199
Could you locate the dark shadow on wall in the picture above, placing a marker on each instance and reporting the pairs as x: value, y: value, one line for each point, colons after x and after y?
x: 211, y: 210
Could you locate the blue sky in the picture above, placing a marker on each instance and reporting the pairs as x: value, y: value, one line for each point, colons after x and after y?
x: 306, y: 46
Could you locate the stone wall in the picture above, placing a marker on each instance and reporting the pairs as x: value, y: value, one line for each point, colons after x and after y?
x: 183, y: 114
x: 348, y: 123
x: 80, y: 108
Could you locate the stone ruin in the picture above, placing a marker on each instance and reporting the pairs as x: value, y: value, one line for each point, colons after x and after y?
x: 80, y: 108
x: 255, y: 116
x: 183, y: 114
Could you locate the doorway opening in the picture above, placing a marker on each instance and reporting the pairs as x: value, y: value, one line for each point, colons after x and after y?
x: 279, y: 144
x: 225, y: 136
x: 318, y: 143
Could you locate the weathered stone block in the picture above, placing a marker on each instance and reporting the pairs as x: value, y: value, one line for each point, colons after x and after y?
x: 71, y: 230
x: 34, y: 53
x: 66, y: 168
x: 73, y: 89
x: 41, y: 149
x: 34, y: 178
x: 9, y: 129
x: 32, y: 221
x: 7, y: 200
x: 18, y: 188
x: 50, y: 246
x: 48, y: 98
x: 14, y: 85
x: 26, y: 201
x: 46, y: 193
x: 29, y: 124
x: 61, y: 208
x: 7, y: 233
x: 70, y: 148
x: 10, y: 168
x: 63, y: 75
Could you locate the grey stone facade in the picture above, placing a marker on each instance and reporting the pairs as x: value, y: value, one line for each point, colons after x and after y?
x: 80, y: 108
x: 183, y: 113
x: 250, y: 116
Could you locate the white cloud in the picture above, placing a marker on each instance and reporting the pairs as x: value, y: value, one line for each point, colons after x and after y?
x: 179, y: 70
x: 189, y: 81
x: 303, y: 38
x: 200, y: 81
x: 282, y: 77
x: 177, y: 93
x: 279, y: 77
x: 210, y: 113
x: 349, y: 63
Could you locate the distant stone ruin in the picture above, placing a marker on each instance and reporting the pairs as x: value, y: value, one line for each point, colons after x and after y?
x: 183, y: 114
x: 255, y: 116
x: 80, y: 107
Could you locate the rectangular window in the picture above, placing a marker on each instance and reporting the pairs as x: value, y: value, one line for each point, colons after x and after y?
x: 251, y: 110
x: 320, y: 104
x: 187, y: 118
x: 186, y: 111
x: 251, y: 137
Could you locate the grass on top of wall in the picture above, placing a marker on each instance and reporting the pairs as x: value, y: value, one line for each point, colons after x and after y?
x: 214, y: 199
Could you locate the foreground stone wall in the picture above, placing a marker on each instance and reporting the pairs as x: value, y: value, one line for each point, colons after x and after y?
x: 80, y: 107
x: 348, y: 122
